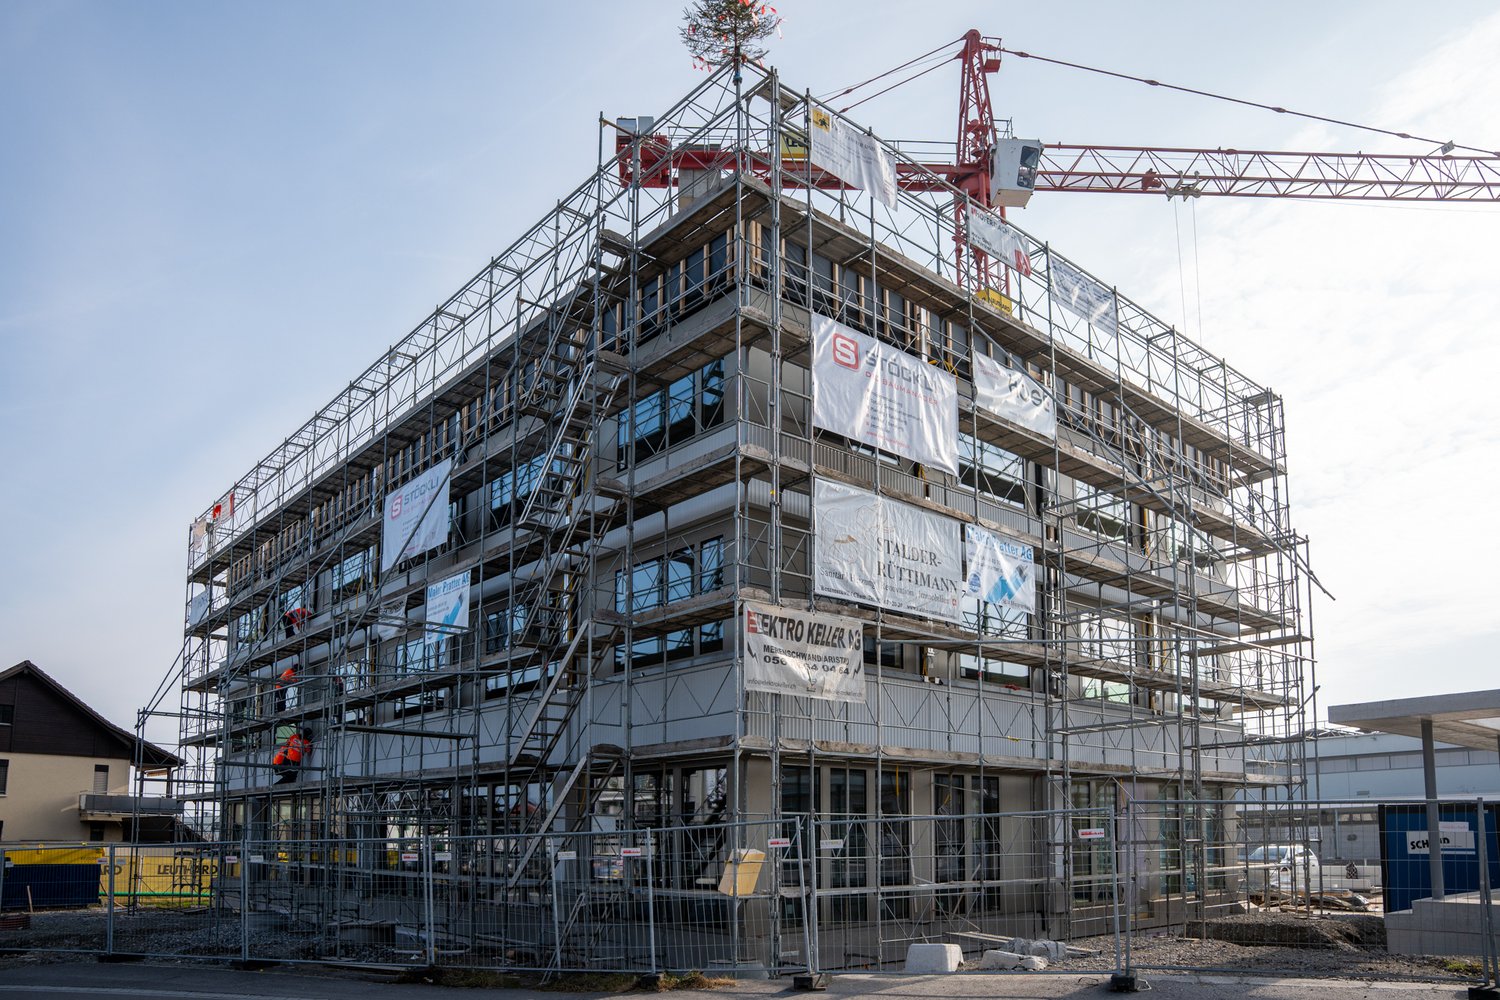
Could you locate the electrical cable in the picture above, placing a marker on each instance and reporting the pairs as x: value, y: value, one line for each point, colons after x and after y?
x: 851, y: 89
x: 1446, y: 146
x: 893, y: 86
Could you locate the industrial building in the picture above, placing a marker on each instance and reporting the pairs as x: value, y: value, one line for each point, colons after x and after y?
x: 729, y: 493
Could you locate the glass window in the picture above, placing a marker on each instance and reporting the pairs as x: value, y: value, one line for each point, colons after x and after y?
x: 718, y: 255
x: 693, y: 277
x: 949, y: 837
x: 848, y: 806
x: 349, y: 576
x: 710, y: 565
x: 712, y: 403
x: 992, y: 470
x: 882, y: 653
x: 711, y: 637
x: 680, y: 422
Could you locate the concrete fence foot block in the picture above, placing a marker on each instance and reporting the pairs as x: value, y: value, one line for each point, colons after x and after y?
x: 933, y: 958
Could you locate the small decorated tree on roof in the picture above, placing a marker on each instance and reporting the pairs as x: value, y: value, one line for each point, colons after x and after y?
x: 720, y: 32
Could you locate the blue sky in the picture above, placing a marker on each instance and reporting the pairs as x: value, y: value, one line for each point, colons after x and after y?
x: 212, y: 216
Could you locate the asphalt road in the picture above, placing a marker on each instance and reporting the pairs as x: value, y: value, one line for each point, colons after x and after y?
x: 84, y: 980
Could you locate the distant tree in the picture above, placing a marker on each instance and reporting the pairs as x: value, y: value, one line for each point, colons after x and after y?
x: 719, y: 32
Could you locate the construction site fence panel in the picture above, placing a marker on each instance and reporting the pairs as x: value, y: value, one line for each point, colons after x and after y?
x: 802, y: 893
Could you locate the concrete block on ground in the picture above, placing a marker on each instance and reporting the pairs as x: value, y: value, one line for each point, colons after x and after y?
x: 1033, y: 963
x: 995, y: 959
x: 926, y: 959
x: 1050, y: 950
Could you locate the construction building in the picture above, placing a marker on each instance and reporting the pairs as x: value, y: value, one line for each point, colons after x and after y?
x: 529, y: 571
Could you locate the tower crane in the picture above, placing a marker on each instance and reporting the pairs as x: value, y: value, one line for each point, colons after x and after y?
x: 1184, y: 172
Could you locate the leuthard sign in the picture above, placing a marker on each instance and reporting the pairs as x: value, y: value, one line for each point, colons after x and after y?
x: 803, y: 654
x: 883, y: 552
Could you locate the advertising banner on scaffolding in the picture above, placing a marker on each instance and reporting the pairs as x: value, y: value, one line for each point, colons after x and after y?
x: 1082, y: 294
x: 1011, y: 394
x: 390, y: 619
x: 880, y: 551
x: 989, y: 233
x: 852, y: 156
x: 447, y: 607
x: 198, y: 608
x: 416, y: 516
x: 803, y: 654
x: 1001, y: 571
x: 883, y: 397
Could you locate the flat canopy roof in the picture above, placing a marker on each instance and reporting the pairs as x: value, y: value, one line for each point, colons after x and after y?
x: 1467, y: 718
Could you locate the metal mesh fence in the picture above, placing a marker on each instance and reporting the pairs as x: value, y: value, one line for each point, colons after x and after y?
x: 792, y: 895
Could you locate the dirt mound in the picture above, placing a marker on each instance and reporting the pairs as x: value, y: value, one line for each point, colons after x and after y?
x: 1352, y: 932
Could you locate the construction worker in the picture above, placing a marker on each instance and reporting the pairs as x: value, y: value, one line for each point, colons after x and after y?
x: 284, y: 684
x: 288, y: 758
x: 293, y: 619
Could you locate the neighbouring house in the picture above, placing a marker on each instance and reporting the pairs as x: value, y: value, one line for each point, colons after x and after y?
x: 65, y: 770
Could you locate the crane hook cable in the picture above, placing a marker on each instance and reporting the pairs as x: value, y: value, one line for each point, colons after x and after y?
x: 1446, y: 146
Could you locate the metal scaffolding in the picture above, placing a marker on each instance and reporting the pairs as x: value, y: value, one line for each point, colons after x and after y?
x: 623, y: 403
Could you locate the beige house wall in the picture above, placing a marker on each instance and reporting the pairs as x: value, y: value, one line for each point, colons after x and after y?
x: 41, y: 796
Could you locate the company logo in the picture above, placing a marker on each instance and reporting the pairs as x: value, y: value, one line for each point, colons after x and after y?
x: 752, y: 622
x: 845, y: 351
x: 396, y: 505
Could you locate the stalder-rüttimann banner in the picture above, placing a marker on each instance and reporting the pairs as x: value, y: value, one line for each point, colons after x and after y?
x: 803, y: 654
x: 883, y: 397
x: 884, y: 552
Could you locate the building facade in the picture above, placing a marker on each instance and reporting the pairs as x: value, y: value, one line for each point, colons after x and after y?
x: 65, y: 770
x: 508, y: 582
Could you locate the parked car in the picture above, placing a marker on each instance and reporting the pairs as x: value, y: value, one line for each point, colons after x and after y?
x: 1280, y: 870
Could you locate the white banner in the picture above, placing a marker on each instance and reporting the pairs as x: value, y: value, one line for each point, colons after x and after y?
x: 1001, y: 571
x: 447, y: 606
x: 988, y: 232
x: 852, y: 156
x: 416, y: 516
x: 1458, y: 837
x: 1082, y: 294
x: 1012, y: 394
x: 390, y: 620
x: 883, y: 397
x: 198, y: 608
x: 803, y: 654
x: 884, y: 552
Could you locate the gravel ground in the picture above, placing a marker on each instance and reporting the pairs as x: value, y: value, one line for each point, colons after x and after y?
x: 1342, y: 946
x: 1263, y: 942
